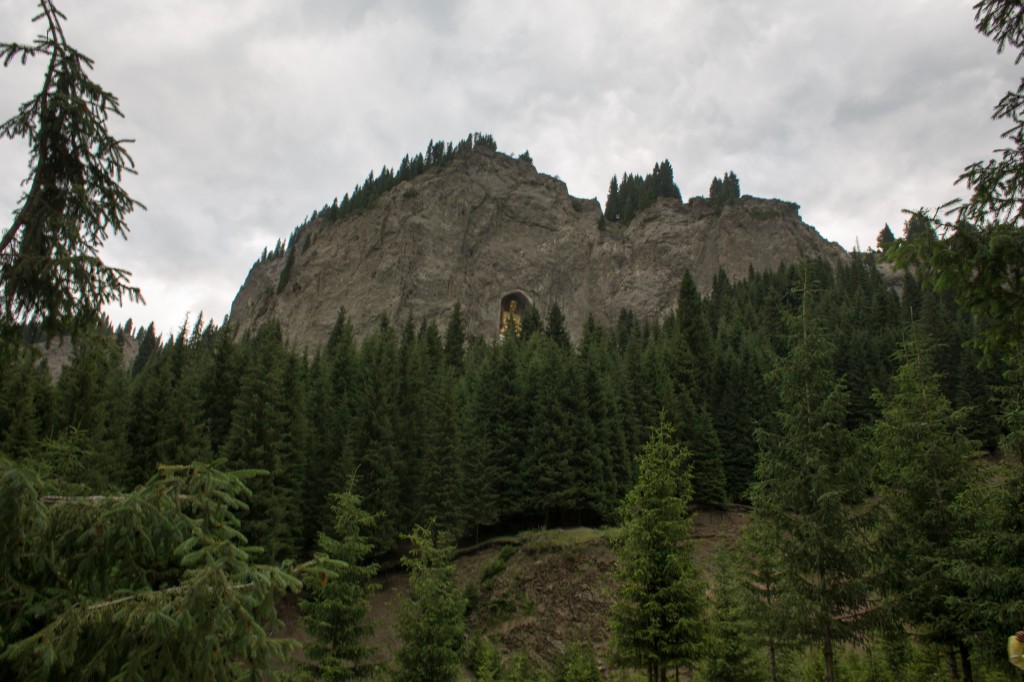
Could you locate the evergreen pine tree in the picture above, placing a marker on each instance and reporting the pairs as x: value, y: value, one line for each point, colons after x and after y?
x: 555, y: 327
x: 612, y: 207
x: 716, y: 192
x: 987, y: 560
x: 489, y: 416
x: 148, y: 342
x: 657, y: 617
x: 432, y: 618
x: 443, y: 493
x: 763, y: 607
x: 374, y: 436
x: 885, y: 237
x: 729, y: 655
x: 262, y: 436
x: 602, y: 384
x: 809, y: 483
x: 455, y: 339
x: 335, y: 610
x: 731, y: 187
x: 50, y: 268
x: 25, y: 393
x: 92, y: 412
x: 157, y: 583
x: 925, y: 464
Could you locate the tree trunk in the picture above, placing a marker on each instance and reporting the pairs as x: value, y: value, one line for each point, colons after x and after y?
x: 771, y: 660
x: 965, y: 662
x: 954, y: 670
x: 827, y: 648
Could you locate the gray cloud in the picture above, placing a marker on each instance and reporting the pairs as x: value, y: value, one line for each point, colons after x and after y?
x: 248, y: 115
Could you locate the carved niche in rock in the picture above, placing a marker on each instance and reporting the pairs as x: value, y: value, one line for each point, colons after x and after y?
x: 513, y: 306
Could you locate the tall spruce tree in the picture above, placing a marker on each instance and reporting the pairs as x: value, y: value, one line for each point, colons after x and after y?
x: 658, y: 613
x: 486, y: 454
x: 455, y: 339
x: 809, y: 481
x: 334, y: 373
x: 374, y: 439
x: 443, y: 494
x: 156, y: 583
x: 264, y: 436
x: 926, y: 464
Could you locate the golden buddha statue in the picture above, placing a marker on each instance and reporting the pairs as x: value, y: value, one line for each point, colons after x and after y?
x: 510, y: 317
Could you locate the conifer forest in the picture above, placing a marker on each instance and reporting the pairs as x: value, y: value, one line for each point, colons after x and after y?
x: 162, y: 497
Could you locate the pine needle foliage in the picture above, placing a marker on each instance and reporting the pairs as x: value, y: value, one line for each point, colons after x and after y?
x: 810, y: 483
x: 157, y: 583
x: 50, y: 269
x: 925, y: 464
x: 975, y: 248
x: 634, y: 193
x: 334, y: 613
x: 657, y: 618
x: 433, y: 617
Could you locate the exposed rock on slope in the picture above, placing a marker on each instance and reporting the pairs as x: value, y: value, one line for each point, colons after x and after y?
x: 486, y: 226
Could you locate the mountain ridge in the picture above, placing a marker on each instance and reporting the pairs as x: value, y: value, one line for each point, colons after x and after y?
x: 485, y: 228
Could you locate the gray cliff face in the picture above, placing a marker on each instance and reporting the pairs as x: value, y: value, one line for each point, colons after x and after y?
x: 486, y: 226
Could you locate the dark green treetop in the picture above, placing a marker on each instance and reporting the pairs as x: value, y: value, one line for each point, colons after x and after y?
x: 50, y: 269
x: 724, y: 190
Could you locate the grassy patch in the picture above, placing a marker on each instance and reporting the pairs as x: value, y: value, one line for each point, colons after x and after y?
x: 559, y: 539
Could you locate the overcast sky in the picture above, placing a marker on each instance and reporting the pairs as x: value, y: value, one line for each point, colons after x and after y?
x: 249, y: 114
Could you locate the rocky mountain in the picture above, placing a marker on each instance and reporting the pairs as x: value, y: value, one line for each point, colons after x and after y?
x: 487, y: 230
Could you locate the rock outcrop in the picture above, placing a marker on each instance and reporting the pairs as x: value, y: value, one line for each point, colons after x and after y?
x: 485, y: 226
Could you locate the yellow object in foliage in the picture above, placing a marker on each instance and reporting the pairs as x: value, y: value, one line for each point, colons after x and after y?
x: 1015, y: 649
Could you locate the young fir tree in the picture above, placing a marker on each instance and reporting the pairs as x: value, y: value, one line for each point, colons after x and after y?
x: 658, y: 613
x: 925, y: 464
x: 433, y: 616
x: 334, y: 613
x: 731, y: 654
x: 809, y: 483
x: 769, y: 622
